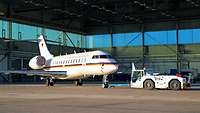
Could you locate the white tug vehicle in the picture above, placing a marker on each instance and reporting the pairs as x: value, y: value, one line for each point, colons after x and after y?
x: 142, y: 79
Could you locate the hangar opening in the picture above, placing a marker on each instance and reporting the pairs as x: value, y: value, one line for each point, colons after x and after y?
x: 157, y: 34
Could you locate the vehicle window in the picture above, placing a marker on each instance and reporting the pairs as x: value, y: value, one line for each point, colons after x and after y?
x: 137, y: 75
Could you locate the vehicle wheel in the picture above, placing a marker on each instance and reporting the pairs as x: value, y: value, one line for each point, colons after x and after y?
x: 51, y: 84
x: 149, y: 84
x: 175, y: 85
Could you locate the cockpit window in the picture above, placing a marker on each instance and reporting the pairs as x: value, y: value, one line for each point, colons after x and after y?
x: 101, y: 56
x: 109, y: 56
x: 95, y: 57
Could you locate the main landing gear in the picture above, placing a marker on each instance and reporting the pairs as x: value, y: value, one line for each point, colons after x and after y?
x: 49, y: 81
x: 79, y: 82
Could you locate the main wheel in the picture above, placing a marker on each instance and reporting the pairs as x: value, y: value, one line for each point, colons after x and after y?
x: 175, y: 85
x: 149, y: 84
x: 79, y: 82
x: 49, y: 81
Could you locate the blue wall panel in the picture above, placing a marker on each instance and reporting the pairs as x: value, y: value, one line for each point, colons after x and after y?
x: 127, y: 39
x: 160, y: 37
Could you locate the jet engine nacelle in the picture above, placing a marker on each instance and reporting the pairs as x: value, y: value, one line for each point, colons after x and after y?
x: 37, y: 62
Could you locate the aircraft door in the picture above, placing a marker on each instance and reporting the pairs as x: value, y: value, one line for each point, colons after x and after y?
x: 136, y: 75
x: 102, y: 68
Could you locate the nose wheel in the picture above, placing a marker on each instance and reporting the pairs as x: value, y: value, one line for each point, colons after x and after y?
x: 105, y: 82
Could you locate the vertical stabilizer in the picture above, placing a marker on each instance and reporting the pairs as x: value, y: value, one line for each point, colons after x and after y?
x: 43, y: 48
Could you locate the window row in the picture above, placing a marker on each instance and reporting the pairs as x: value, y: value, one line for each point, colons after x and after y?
x: 70, y: 61
x: 26, y: 32
x: 29, y: 32
x: 186, y: 36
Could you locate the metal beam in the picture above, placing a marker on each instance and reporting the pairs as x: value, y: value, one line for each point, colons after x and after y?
x: 26, y: 10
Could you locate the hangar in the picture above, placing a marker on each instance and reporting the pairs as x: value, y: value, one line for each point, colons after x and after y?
x: 157, y: 34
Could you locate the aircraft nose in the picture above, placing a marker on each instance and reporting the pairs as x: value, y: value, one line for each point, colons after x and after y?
x: 115, y: 67
x: 110, y: 68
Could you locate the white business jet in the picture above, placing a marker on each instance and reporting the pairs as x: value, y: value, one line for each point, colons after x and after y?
x: 75, y: 66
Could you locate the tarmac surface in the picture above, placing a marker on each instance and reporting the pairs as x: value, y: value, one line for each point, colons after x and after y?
x: 94, y: 99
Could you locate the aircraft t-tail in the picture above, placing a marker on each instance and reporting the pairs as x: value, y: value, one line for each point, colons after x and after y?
x: 75, y: 66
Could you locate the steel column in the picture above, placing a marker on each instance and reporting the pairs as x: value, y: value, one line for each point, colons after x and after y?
x: 177, y: 49
x: 143, y: 47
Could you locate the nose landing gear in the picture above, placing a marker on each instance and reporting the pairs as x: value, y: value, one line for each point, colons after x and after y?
x: 105, y: 82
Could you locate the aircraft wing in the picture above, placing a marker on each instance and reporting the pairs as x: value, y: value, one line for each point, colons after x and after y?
x: 35, y: 72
